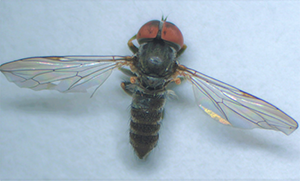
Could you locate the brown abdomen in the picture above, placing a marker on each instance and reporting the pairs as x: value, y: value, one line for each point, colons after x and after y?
x: 146, y: 113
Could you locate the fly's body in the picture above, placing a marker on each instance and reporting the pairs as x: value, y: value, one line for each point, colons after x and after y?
x: 153, y: 66
x: 146, y: 114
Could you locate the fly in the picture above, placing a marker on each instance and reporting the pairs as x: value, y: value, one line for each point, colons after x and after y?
x: 152, y: 68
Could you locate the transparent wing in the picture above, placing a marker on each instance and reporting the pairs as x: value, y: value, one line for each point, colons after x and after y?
x: 231, y: 106
x: 64, y: 74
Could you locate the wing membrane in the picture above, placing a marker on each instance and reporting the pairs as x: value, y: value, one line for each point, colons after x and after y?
x: 64, y: 74
x: 231, y: 106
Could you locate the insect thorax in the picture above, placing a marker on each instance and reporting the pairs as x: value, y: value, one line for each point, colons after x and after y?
x: 156, y: 63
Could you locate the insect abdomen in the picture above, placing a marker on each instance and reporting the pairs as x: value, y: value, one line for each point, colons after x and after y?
x: 146, y: 113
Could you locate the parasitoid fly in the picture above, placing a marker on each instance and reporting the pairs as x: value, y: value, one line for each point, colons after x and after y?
x: 152, y: 68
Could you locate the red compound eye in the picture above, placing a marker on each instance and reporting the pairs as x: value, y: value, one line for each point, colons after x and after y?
x: 148, y: 30
x: 168, y: 32
x: 171, y: 33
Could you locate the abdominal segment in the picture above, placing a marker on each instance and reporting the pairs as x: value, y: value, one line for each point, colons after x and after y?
x: 146, y: 114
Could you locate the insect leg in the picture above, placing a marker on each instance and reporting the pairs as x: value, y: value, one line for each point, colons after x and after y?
x: 131, y: 46
x: 128, y: 87
x: 127, y: 72
x: 181, y: 51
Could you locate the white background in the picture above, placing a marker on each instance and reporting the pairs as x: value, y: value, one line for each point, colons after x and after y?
x: 48, y: 135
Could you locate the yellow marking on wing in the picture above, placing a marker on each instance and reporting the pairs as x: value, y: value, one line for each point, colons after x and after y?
x: 56, y: 58
x: 215, y: 116
x: 247, y: 95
